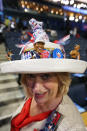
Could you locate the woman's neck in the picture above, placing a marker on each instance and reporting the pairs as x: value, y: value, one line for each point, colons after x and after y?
x: 40, y: 108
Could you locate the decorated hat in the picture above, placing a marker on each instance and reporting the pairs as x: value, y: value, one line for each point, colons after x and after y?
x: 40, y: 55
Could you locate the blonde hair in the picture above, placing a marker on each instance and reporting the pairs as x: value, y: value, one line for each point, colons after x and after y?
x: 64, y: 81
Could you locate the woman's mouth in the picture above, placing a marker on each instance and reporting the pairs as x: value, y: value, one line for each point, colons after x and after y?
x: 40, y: 95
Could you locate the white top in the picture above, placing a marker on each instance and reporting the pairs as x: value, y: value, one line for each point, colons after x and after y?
x: 71, y: 118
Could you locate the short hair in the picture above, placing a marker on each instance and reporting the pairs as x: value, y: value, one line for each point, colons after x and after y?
x: 64, y: 81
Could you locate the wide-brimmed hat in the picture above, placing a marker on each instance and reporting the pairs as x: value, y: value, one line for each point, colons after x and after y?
x: 38, y: 58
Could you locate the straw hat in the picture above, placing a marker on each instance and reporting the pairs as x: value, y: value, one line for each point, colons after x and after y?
x: 41, y: 56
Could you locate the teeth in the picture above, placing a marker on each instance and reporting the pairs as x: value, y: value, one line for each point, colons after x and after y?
x: 40, y: 93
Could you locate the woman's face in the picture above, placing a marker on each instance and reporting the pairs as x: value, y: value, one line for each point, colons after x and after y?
x: 44, y: 87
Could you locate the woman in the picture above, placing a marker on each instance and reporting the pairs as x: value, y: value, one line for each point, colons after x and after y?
x: 45, y: 93
x: 46, y: 82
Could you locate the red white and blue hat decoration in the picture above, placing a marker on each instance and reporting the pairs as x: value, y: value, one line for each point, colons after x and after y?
x: 38, y: 33
x: 40, y: 55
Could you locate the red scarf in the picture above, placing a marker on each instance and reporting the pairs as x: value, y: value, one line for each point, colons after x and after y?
x: 23, y: 118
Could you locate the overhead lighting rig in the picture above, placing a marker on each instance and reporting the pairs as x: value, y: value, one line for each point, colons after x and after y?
x: 70, y: 9
x: 40, y: 7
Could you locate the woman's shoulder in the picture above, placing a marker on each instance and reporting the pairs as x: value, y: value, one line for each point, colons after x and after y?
x: 67, y: 107
x: 71, y: 117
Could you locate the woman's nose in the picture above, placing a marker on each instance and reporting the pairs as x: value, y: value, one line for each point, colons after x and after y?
x: 37, y: 83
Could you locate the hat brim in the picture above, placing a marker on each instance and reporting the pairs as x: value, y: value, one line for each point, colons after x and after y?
x: 43, y: 66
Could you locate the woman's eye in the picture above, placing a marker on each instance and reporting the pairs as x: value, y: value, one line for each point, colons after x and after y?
x: 30, y: 76
x: 46, y: 76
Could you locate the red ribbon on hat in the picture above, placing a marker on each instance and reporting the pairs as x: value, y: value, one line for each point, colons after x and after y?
x: 33, y: 38
x: 55, y: 41
x: 31, y: 41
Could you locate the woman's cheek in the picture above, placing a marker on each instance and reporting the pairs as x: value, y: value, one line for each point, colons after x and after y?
x: 29, y: 84
x: 52, y: 89
x: 49, y: 86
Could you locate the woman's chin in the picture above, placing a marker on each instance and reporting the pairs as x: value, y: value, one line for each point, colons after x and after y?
x: 40, y: 101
